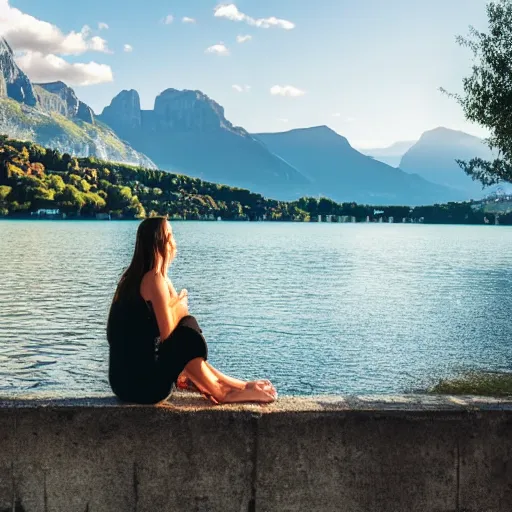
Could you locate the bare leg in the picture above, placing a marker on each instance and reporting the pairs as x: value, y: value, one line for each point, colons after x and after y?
x: 208, y: 383
x: 242, y: 384
x: 205, y: 380
x: 232, y: 382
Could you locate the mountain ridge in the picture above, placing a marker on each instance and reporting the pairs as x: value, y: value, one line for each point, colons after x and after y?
x: 434, y: 158
x: 344, y: 174
x: 187, y: 132
x: 52, y: 115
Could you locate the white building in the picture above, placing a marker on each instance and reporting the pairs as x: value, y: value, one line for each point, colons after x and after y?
x: 46, y: 211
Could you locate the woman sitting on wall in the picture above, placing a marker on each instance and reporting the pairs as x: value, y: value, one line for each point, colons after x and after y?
x: 152, y: 337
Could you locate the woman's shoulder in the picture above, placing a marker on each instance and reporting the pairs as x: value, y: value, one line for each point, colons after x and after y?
x: 152, y: 282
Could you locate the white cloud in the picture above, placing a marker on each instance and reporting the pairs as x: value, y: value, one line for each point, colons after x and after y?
x: 186, y: 19
x: 49, y: 68
x: 241, y: 88
x: 24, y: 32
x: 102, y: 26
x: 337, y: 114
x: 218, y: 49
x: 243, y: 39
x: 128, y: 48
x: 283, y: 119
x: 231, y: 12
x: 286, y: 90
x: 99, y: 44
x: 168, y: 19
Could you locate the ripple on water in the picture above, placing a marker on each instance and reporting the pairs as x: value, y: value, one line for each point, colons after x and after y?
x: 317, y: 308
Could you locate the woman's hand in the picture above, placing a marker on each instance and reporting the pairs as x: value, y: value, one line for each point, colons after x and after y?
x: 183, y: 298
x: 179, y: 304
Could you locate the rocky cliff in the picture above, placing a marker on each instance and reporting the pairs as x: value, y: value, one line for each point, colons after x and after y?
x: 124, y: 111
x: 13, y: 82
x: 187, y: 132
x: 59, y: 98
x: 51, y: 115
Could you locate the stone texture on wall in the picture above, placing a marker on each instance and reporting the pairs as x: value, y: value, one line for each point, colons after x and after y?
x: 408, y: 453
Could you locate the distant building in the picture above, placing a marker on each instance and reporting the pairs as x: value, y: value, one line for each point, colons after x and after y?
x: 319, y: 218
x: 346, y: 218
x: 103, y: 216
x: 391, y: 220
x: 328, y: 218
x: 44, y: 212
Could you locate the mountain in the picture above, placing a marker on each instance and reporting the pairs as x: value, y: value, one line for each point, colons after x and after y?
x: 57, y: 97
x: 186, y: 132
x: 340, y: 172
x: 51, y: 115
x: 390, y: 155
x: 433, y: 157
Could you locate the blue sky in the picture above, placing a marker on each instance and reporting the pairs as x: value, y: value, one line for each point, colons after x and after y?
x: 369, y: 69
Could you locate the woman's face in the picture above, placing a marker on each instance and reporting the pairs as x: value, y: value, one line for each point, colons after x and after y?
x: 171, y: 242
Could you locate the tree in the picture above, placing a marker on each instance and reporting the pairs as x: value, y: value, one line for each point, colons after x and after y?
x: 4, y: 192
x: 70, y: 200
x: 487, y: 98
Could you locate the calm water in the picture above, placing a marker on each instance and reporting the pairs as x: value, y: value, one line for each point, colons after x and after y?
x: 317, y: 308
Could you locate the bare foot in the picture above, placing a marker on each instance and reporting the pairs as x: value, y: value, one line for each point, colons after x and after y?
x: 264, y: 384
x: 256, y: 393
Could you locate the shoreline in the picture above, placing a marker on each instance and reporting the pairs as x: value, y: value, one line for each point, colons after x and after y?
x: 259, y: 221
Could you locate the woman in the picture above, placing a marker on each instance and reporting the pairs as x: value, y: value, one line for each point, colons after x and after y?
x: 152, y: 337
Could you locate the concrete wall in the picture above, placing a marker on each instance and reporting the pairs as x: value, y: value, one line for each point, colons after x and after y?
x: 353, y: 454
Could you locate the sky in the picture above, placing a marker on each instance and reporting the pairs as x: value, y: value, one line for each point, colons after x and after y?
x: 368, y: 69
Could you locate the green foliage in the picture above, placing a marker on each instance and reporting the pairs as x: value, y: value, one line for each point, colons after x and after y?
x: 32, y: 177
x: 476, y: 383
x: 4, y: 192
x: 487, y: 98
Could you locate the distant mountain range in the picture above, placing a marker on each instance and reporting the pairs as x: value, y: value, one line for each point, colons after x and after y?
x: 337, y: 170
x: 390, y: 155
x: 433, y: 157
x: 187, y: 132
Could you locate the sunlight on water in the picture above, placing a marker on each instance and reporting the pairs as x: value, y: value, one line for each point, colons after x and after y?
x: 317, y: 308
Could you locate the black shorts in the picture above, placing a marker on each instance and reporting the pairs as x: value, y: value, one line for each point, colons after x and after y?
x: 185, y: 343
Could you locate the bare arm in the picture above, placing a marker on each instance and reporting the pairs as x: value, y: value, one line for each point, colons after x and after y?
x: 172, y: 290
x: 168, y: 310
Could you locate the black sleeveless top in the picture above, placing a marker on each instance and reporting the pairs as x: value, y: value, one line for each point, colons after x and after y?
x: 133, y: 336
x: 141, y: 368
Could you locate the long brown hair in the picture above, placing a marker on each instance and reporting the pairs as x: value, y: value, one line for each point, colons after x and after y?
x: 152, y: 240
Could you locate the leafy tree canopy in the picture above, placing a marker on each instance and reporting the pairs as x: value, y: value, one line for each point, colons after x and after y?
x: 487, y: 97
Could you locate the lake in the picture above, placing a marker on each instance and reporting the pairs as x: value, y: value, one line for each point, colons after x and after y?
x: 317, y: 308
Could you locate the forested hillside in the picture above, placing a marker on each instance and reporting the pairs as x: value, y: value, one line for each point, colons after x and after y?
x: 34, y: 178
